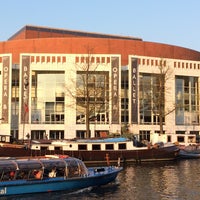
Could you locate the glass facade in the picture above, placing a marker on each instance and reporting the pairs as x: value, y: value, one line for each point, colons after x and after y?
x: 92, y: 90
x: 151, y: 98
x: 47, y: 97
x: 124, y: 95
x: 187, y: 100
x: 48, y: 103
x: 15, y: 101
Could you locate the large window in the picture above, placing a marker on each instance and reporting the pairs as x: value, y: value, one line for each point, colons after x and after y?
x: 144, y: 135
x: 15, y: 101
x: 56, y: 134
x: 47, y: 97
x: 92, y: 94
x: 38, y: 134
x: 187, y: 100
x: 151, y: 96
x: 124, y: 95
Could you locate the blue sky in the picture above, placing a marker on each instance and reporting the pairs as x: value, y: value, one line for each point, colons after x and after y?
x: 173, y: 22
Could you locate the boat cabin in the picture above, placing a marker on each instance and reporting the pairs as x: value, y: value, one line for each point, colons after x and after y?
x: 84, y: 146
x: 25, y: 169
x: 182, y: 139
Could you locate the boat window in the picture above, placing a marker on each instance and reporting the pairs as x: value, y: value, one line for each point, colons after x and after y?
x: 82, y: 147
x: 73, y: 171
x: 28, y: 164
x: 35, y: 174
x: 75, y: 168
x: 60, y: 172
x: 54, y: 172
x: 54, y: 167
x: 22, y: 174
x: 109, y: 146
x: 122, y: 146
x: 43, y: 148
x: 7, y: 166
x: 7, y: 175
x: 96, y: 147
x: 28, y: 169
x: 58, y: 148
x: 53, y: 162
x: 29, y: 174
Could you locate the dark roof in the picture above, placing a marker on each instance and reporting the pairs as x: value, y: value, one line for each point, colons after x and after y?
x: 66, y: 32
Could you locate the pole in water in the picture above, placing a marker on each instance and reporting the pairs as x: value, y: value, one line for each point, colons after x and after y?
x: 118, y: 162
x: 107, y: 159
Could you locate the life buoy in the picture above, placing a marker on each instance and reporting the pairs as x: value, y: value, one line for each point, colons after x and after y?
x: 63, y: 156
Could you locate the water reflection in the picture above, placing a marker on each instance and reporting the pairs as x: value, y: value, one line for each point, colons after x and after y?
x: 159, y: 181
x: 177, y: 180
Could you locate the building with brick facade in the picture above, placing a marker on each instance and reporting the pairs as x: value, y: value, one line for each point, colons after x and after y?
x: 40, y: 67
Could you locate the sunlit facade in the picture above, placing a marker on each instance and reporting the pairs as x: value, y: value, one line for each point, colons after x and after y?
x: 43, y: 95
x: 187, y: 99
x: 53, y: 102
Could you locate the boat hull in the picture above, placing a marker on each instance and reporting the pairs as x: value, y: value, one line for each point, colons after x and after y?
x: 58, y: 184
x: 100, y: 156
x: 189, y: 154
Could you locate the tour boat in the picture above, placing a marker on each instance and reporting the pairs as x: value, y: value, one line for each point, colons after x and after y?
x: 22, y: 176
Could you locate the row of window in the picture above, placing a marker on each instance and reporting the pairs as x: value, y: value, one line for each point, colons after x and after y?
x: 84, y: 147
x: 178, y: 64
x: 92, y: 59
x: 53, y: 101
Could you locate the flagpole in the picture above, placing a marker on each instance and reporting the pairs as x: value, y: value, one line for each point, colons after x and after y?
x: 24, y: 126
x: 26, y: 110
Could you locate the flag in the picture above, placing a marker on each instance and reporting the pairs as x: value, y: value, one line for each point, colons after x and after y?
x: 26, y: 108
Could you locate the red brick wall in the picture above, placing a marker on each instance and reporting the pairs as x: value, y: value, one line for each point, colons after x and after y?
x: 38, y: 32
x: 101, y: 46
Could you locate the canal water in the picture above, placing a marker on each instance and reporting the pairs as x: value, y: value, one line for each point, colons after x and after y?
x: 179, y: 180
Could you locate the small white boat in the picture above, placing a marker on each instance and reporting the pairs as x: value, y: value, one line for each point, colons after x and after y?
x: 190, y: 152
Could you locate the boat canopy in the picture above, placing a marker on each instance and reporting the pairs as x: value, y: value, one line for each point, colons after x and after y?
x: 68, y: 167
x: 50, y: 163
x: 7, y: 165
x: 31, y: 164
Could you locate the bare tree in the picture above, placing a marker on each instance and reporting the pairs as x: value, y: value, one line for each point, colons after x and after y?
x: 91, y: 90
x: 159, y: 100
x: 154, y: 94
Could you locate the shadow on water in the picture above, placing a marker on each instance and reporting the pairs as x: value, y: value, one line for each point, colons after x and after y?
x: 177, y: 180
x: 164, y: 180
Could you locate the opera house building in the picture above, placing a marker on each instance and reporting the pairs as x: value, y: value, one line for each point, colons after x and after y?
x: 51, y: 78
